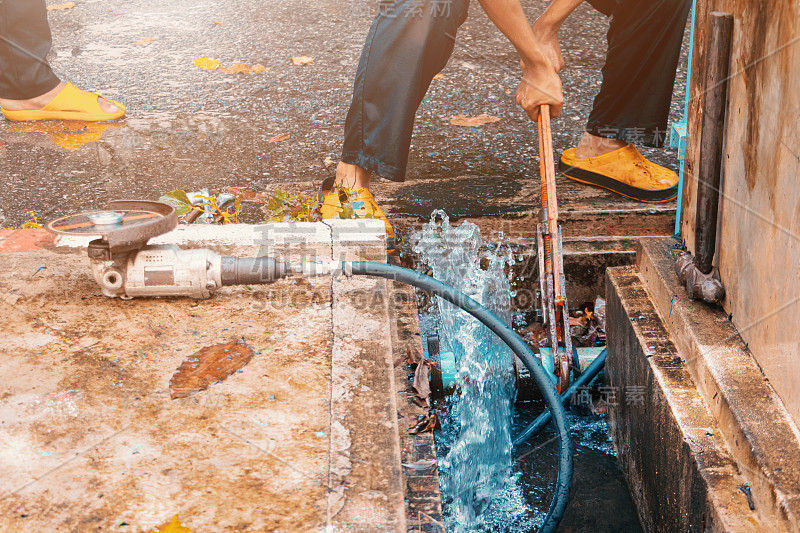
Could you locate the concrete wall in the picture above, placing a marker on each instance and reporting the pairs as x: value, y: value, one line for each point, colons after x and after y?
x: 758, y: 250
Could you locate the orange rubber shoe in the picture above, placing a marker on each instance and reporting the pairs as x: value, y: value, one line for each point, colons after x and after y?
x: 624, y: 171
x: 335, y: 200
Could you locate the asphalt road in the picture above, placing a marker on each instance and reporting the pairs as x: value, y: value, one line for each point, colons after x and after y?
x: 189, y: 128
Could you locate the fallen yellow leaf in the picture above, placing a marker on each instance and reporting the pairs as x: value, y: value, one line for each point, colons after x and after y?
x: 144, y: 41
x: 279, y: 138
x: 218, y: 23
x: 302, y: 60
x: 61, y: 7
x: 206, y: 63
x: 174, y: 527
x: 328, y: 161
x: 243, y: 68
x: 439, y: 76
x: 473, y: 122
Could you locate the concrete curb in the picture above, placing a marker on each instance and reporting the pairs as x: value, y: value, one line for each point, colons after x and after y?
x: 681, y: 476
x: 757, y: 427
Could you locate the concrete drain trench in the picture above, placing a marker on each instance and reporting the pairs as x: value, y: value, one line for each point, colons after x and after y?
x: 513, y: 488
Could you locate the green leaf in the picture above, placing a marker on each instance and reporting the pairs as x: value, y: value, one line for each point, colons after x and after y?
x: 347, y: 212
x: 179, y: 195
x: 275, y: 204
x: 180, y: 207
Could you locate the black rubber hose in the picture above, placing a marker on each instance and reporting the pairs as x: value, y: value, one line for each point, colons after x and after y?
x: 542, y: 420
x: 517, y: 345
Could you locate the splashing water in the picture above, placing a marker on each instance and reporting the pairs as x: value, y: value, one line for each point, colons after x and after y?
x: 477, y: 469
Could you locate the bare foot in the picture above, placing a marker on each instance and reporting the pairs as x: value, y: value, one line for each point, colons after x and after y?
x: 41, y: 101
x: 593, y: 146
x: 352, y: 176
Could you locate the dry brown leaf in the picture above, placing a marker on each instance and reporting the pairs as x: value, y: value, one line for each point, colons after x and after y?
x: 419, y: 402
x: 61, y: 7
x: 279, y: 138
x: 413, y: 355
x: 534, y: 334
x: 302, y: 60
x: 426, y: 423
x: 473, y: 122
x: 422, y: 375
x: 422, y: 383
x: 237, y: 68
x: 210, y: 365
x: 243, y: 68
x: 144, y: 41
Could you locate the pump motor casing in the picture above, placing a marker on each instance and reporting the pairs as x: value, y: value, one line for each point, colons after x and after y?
x: 125, y: 266
x: 159, y: 270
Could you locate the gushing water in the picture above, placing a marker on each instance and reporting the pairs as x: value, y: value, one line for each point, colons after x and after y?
x: 477, y: 469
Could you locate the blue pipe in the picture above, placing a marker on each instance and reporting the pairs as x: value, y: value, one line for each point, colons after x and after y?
x: 679, y: 135
x: 585, y: 378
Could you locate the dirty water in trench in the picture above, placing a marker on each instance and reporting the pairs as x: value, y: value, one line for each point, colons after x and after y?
x: 486, y: 485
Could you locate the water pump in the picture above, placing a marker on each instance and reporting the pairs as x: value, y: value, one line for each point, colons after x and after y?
x: 125, y: 266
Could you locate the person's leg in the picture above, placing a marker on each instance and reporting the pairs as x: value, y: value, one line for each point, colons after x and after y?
x: 24, y: 44
x: 409, y: 42
x: 26, y: 80
x: 644, y: 44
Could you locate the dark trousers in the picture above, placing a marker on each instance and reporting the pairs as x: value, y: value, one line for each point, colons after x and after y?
x: 410, y: 41
x: 24, y: 44
x: 644, y: 46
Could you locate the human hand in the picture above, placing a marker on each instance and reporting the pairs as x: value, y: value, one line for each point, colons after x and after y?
x: 540, y: 87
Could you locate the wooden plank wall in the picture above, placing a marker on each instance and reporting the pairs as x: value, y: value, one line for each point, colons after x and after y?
x: 758, y: 250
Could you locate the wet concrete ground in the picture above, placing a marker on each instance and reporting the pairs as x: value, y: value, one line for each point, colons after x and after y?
x: 303, y: 438
x: 189, y: 128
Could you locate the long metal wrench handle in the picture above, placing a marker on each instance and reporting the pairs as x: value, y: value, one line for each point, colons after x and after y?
x: 547, y: 171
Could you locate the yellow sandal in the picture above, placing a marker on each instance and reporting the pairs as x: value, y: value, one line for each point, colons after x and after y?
x: 70, y: 104
x: 332, y: 198
x: 624, y: 171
